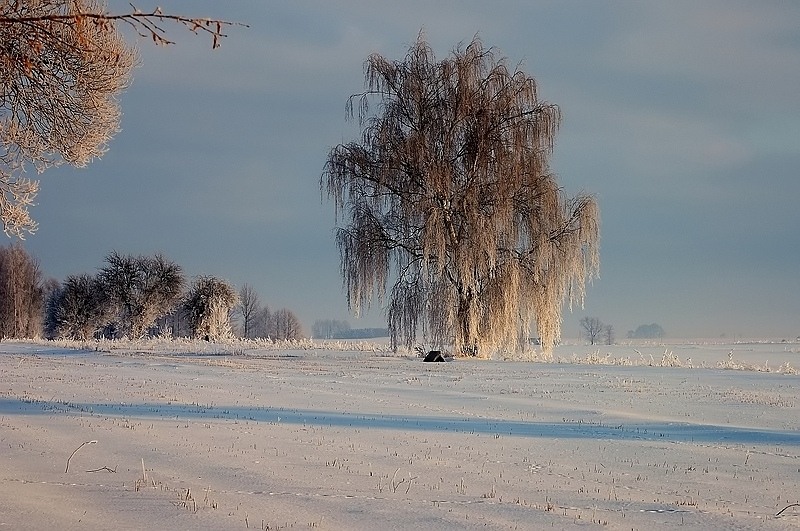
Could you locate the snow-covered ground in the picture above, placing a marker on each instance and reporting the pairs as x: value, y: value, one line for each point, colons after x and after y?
x: 181, y: 435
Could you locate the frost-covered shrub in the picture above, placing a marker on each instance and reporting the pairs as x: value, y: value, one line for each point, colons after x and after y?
x: 670, y: 360
x: 208, y: 306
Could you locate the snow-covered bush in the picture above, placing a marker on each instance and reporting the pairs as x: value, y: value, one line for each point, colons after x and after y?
x: 208, y: 305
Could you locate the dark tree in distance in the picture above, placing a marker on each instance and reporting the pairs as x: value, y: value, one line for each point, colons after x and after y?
x: 651, y: 331
x: 608, y: 334
x: 592, y: 328
x: 452, y: 211
x: 50, y: 288
x: 263, y: 322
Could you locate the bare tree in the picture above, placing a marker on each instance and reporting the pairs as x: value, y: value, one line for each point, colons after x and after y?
x: 286, y: 325
x: 247, y: 309
x: 608, y: 334
x: 21, y: 294
x: 140, y: 290
x: 208, y: 305
x: 263, y: 325
x: 63, y: 65
x: 592, y: 328
x: 449, y: 197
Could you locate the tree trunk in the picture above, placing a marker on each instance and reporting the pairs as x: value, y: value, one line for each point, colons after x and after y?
x: 469, y: 340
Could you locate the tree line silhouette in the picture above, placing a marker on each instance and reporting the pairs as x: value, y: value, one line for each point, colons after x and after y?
x: 131, y: 297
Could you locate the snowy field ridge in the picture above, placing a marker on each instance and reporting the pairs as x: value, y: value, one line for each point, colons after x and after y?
x: 761, y: 356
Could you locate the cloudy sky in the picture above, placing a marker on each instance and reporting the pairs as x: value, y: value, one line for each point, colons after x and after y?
x: 682, y: 117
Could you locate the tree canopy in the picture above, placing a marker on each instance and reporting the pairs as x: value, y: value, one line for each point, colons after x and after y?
x: 453, y: 216
x: 140, y: 289
x: 63, y: 65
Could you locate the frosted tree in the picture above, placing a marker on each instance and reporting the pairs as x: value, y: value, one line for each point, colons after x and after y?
x: 208, y: 306
x: 454, y: 219
x: 59, y: 84
x: 22, y: 296
x: 77, y: 309
x: 140, y: 289
x: 63, y: 65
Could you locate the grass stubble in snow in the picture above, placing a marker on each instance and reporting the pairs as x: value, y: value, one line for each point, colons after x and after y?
x: 253, y: 435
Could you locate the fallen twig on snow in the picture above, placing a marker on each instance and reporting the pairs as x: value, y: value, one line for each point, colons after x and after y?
x: 75, y: 451
x: 103, y: 468
x: 788, y: 506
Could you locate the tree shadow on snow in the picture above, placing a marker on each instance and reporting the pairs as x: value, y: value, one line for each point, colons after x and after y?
x: 648, y: 431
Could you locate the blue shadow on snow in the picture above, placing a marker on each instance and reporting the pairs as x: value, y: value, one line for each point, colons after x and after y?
x: 651, y: 431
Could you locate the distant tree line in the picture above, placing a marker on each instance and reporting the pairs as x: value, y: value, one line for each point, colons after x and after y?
x: 131, y: 297
x: 649, y: 331
x: 257, y: 321
x: 595, y: 331
x: 334, y: 329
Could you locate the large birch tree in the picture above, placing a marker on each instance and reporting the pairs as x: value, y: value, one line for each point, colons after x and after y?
x: 453, y: 217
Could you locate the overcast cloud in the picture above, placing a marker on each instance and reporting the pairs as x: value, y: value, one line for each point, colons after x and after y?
x: 682, y: 117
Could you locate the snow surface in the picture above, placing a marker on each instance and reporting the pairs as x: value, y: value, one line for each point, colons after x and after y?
x: 312, y: 435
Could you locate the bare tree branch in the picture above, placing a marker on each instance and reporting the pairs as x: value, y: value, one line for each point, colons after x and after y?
x: 146, y: 24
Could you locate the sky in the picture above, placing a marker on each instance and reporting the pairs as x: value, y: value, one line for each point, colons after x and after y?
x: 681, y: 117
